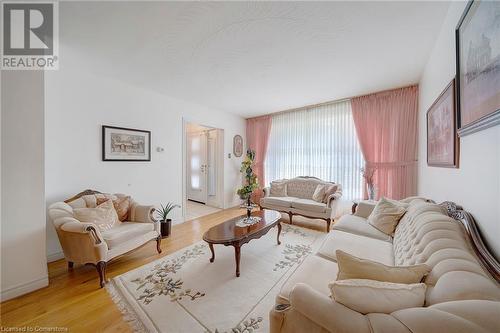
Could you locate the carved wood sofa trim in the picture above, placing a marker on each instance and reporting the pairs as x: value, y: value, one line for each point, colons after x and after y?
x: 486, y: 258
x: 474, y: 236
x: 81, y: 194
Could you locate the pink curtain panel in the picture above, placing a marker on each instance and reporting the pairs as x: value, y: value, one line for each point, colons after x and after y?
x: 386, y: 125
x: 258, y: 131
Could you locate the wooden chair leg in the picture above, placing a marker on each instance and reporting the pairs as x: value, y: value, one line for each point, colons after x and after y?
x: 101, y: 270
x: 158, y: 243
x: 328, y: 221
x: 70, y: 265
x: 290, y: 215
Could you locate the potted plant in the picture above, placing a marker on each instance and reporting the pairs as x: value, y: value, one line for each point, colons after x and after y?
x: 165, y: 222
x: 251, y: 183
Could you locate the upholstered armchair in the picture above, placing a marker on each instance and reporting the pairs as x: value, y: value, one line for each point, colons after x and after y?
x: 85, y: 243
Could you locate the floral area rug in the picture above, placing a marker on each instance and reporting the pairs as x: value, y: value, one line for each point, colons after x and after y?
x: 184, y: 292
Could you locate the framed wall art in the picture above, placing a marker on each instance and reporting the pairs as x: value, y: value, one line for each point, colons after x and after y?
x: 442, y: 138
x: 237, y: 145
x: 478, y: 66
x: 125, y: 144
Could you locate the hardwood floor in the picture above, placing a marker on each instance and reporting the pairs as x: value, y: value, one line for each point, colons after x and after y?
x: 195, y: 210
x: 74, y: 300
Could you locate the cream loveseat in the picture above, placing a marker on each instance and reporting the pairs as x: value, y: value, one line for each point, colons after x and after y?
x: 462, y: 296
x: 84, y: 243
x: 299, y: 199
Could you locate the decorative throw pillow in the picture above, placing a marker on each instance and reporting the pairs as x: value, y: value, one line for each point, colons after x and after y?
x: 103, y: 197
x: 329, y: 190
x: 122, y: 205
x: 370, y: 296
x: 278, y: 189
x: 386, y: 215
x: 352, y: 267
x: 104, y: 215
x: 319, y: 193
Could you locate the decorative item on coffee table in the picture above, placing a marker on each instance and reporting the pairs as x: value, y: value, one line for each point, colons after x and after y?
x: 165, y: 222
x: 371, y: 189
x: 250, y: 185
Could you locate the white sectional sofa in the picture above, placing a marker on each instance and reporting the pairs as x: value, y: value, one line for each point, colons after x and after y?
x: 299, y: 199
x: 463, y: 291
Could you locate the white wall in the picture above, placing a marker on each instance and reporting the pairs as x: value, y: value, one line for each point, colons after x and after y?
x: 77, y: 104
x: 476, y: 184
x: 24, y: 264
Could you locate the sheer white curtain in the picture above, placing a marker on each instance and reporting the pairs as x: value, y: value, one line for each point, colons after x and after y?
x: 319, y: 141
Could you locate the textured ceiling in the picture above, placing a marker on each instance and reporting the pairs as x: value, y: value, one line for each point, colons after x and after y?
x: 252, y: 58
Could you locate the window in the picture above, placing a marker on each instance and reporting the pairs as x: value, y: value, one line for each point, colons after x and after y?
x: 319, y: 141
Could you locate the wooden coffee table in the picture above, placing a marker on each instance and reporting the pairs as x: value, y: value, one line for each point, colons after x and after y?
x: 227, y: 233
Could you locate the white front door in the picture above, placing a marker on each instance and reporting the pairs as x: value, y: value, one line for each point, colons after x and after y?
x: 197, y: 166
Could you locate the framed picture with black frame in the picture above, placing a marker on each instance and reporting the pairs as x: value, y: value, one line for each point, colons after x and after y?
x: 125, y: 144
x: 477, y: 38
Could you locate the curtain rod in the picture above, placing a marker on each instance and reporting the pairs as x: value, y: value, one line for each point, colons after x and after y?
x: 329, y: 102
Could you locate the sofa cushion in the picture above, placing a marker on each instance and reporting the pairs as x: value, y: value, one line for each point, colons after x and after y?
x: 121, y: 204
x: 359, y: 246
x: 319, y: 193
x: 352, y: 267
x: 125, y: 231
x: 122, y: 207
x: 386, y: 215
x: 285, y: 202
x: 101, y: 197
x: 103, y: 216
x: 329, y: 190
x: 324, y: 271
x: 278, y: 189
x: 302, y: 188
x: 80, y: 203
x: 459, y: 286
x: 367, y: 296
x: 359, y: 226
x: 309, y: 205
x: 473, y: 316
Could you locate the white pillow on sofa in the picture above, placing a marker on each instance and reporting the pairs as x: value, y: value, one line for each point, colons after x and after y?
x: 352, y: 267
x: 278, y: 189
x: 103, y: 216
x: 319, y: 193
x: 370, y: 296
x: 386, y: 215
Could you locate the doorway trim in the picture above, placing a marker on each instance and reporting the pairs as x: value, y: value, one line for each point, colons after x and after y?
x: 220, y: 163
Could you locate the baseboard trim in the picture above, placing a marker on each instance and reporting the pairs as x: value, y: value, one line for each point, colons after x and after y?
x: 24, y: 288
x: 55, y: 256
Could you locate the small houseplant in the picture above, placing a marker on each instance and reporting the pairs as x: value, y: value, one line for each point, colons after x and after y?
x: 251, y: 183
x: 165, y: 222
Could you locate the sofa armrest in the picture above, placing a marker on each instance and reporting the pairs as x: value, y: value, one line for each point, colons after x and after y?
x: 74, y: 226
x: 142, y: 213
x: 81, y: 242
x: 325, y: 312
x: 365, y: 208
x: 267, y: 191
x: 331, y: 200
